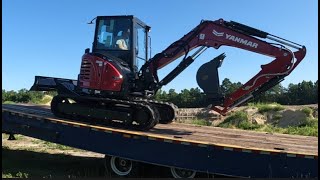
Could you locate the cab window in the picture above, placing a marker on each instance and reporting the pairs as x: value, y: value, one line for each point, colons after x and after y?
x: 111, y: 31
x: 140, y: 46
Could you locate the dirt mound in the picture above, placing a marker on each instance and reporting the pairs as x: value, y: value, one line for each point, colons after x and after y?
x: 289, y: 116
x: 286, y: 115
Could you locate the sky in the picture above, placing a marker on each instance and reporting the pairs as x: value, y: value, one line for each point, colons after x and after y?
x: 48, y: 38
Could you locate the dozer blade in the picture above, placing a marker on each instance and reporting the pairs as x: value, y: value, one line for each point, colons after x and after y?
x: 42, y: 83
x: 208, y: 80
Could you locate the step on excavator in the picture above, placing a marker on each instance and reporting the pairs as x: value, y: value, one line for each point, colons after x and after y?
x: 118, y: 79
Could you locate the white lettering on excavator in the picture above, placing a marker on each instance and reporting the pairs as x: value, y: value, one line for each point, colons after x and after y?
x: 99, y: 63
x: 241, y: 41
x: 201, y: 36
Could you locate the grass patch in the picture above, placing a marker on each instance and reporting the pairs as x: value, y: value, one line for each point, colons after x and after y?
x: 308, y: 111
x: 272, y: 129
x: 309, y: 128
x: 310, y: 122
x: 17, y: 175
x: 201, y: 122
x: 234, y: 119
x: 7, y: 175
x: 22, y: 175
x: 16, y: 136
x: 8, y: 102
x: 304, y: 131
x: 19, y: 136
x: 29, y: 164
x: 246, y: 125
x: 262, y: 107
x: 57, y: 146
x: 277, y: 116
x: 269, y: 107
x: 46, y: 99
x: 5, y: 136
x: 239, y: 120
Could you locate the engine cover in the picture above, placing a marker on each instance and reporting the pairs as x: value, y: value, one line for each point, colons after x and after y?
x: 103, y: 73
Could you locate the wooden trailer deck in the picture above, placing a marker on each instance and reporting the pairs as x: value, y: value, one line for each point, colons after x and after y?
x: 228, y: 139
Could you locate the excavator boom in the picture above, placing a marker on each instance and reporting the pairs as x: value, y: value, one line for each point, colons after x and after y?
x: 218, y: 33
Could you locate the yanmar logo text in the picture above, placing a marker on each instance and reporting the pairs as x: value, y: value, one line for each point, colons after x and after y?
x: 235, y: 39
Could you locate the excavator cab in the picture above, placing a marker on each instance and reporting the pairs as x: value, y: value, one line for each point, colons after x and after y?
x: 123, y: 37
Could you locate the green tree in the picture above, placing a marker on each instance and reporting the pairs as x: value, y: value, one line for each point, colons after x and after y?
x: 198, y: 98
x: 315, y: 92
x: 306, y: 90
x: 11, y: 96
x: 272, y: 95
x: 227, y: 87
x: 183, y: 98
x: 4, y: 95
x: 23, y: 96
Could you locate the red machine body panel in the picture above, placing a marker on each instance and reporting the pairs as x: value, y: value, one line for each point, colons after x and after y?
x: 99, y: 74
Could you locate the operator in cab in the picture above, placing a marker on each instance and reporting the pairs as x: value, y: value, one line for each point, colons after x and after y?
x: 123, y: 41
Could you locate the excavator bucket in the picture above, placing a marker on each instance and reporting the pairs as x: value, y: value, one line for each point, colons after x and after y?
x: 208, y: 80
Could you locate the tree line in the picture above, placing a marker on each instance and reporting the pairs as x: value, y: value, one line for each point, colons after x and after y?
x: 305, y: 92
x: 25, y: 96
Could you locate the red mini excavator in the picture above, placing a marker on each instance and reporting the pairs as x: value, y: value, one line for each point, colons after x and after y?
x: 115, y: 86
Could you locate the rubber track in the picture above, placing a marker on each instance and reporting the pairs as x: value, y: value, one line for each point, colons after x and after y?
x: 145, y: 104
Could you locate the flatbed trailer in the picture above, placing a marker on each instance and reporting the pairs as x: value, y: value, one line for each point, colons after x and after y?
x: 211, y: 150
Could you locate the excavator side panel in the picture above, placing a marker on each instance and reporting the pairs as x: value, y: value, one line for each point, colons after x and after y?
x: 99, y: 74
x: 88, y: 77
x: 111, y: 77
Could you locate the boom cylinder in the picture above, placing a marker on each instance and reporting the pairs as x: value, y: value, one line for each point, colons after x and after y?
x: 247, y: 29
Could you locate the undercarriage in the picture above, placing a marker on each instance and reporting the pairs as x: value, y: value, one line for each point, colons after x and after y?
x: 130, y: 112
x: 138, y: 114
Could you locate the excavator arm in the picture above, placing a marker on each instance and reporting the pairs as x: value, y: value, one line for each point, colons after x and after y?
x: 218, y: 33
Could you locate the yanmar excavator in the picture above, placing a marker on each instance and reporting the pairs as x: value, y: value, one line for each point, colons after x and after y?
x: 115, y: 86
